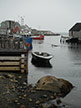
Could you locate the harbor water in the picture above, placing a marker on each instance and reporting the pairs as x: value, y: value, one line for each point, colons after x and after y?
x: 66, y: 64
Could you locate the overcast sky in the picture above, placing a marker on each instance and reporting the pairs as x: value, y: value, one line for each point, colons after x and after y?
x: 54, y: 15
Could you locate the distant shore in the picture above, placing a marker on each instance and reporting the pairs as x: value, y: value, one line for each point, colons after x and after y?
x: 46, y: 34
x: 51, y: 34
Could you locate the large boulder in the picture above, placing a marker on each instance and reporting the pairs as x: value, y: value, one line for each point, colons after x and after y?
x: 56, y: 85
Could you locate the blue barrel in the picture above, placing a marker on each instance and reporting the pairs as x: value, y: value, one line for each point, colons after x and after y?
x: 28, y: 42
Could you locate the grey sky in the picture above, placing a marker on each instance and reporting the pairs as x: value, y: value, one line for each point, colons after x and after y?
x: 54, y: 15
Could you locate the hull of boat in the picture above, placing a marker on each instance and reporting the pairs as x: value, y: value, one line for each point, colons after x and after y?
x: 41, y: 56
x: 41, y: 61
x: 41, y: 37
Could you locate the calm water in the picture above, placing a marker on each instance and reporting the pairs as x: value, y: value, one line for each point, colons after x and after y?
x: 66, y: 64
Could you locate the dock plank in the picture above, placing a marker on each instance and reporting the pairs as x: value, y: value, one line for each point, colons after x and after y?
x: 9, y: 63
x: 9, y: 58
x: 9, y: 69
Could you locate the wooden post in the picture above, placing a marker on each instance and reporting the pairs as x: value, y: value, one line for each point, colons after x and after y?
x: 27, y: 62
x: 1, y: 43
x: 18, y: 43
x: 4, y: 43
x: 8, y: 43
x: 22, y: 63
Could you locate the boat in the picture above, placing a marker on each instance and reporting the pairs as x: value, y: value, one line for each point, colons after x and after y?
x: 40, y: 37
x: 41, y: 59
x: 42, y: 55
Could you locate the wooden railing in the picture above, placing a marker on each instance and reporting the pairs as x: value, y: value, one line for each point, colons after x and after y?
x: 10, y: 43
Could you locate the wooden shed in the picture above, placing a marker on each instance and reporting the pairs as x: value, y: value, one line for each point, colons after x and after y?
x: 75, y: 31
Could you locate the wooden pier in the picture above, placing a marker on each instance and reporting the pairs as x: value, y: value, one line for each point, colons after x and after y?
x: 13, y: 55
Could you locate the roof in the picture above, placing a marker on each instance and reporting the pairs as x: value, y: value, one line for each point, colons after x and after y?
x: 76, y: 27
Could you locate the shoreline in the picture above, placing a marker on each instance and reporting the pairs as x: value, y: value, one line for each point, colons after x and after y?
x: 16, y: 93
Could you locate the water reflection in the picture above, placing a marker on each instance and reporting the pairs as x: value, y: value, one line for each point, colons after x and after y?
x: 75, y: 53
x: 38, y: 41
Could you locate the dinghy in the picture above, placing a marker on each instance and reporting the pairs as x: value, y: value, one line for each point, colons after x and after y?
x: 41, y: 59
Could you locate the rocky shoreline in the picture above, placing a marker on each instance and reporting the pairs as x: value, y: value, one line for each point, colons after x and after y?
x: 16, y: 93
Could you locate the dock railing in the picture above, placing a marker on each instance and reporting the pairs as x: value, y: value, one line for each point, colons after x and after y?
x: 10, y: 43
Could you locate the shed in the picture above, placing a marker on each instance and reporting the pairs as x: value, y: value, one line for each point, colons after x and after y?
x: 75, y: 31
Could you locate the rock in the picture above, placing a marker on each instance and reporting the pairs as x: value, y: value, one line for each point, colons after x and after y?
x: 44, y: 106
x: 20, y: 97
x: 30, y: 100
x: 19, y: 77
x: 30, y: 85
x: 8, y: 92
x: 22, y: 106
x: 56, y: 85
x: 16, y: 101
x: 52, y: 97
x: 11, y: 80
x: 53, y: 106
x: 13, y: 87
x: 24, y: 83
x: 2, y: 77
x: 11, y: 76
x: 16, y: 81
x: 37, y: 102
x: 8, y: 76
x: 58, y: 100
x: 25, y: 95
x: 45, y: 96
x: 55, y: 95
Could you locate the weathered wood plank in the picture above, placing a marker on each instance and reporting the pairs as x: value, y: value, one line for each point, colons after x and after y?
x: 9, y: 58
x: 13, y: 60
x: 9, y: 68
x: 9, y: 63
x: 11, y: 50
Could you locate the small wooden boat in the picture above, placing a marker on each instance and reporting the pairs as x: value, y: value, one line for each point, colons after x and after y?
x: 40, y: 37
x: 42, y: 55
x: 41, y: 59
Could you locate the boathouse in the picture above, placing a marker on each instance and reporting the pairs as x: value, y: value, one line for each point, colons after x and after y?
x: 75, y: 31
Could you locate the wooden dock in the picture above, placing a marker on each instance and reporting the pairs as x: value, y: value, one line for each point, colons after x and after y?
x: 13, y: 55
